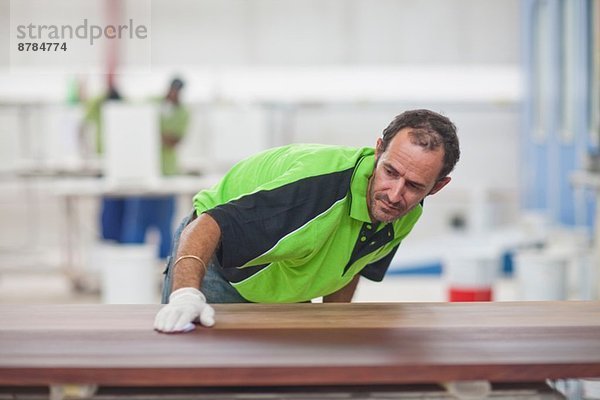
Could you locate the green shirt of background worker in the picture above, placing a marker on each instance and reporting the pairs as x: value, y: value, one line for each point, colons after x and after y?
x: 93, y: 119
x: 174, y: 121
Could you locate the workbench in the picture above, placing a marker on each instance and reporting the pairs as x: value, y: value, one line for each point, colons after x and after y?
x: 309, y: 345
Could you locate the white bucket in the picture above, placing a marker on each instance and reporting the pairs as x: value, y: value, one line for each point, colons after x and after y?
x: 586, y: 276
x: 470, y: 273
x: 471, y: 267
x: 128, y: 274
x: 576, y: 245
x: 541, y: 275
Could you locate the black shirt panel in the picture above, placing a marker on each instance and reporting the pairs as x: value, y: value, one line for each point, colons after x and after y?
x: 253, y: 224
x: 376, y: 271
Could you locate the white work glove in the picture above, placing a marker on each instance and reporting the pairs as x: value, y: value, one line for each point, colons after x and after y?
x: 186, y: 305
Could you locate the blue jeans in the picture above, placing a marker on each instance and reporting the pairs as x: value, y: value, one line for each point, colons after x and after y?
x: 216, y: 288
x: 111, y: 218
x: 142, y: 213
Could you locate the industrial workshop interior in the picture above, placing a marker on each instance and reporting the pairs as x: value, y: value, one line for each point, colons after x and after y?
x: 186, y: 186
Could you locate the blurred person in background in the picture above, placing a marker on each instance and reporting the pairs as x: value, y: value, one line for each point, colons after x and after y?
x: 91, y: 137
x: 142, y: 213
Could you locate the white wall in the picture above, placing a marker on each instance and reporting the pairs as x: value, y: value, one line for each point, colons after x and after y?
x: 4, y: 32
x: 306, y: 32
x: 293, y: 32
x: 204, y: 38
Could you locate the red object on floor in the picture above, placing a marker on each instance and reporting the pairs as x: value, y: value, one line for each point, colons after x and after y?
x: 471, y: 294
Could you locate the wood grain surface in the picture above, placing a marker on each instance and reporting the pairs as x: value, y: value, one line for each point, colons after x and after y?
x: 302, y: 344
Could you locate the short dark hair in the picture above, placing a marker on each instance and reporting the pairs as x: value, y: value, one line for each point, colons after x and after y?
x: 176, y: 84
x: 429, y: 130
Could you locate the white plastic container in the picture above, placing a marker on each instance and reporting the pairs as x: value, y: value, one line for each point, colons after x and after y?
x: 128, y: 274
x: 541, y: 274
x: 470, y: 273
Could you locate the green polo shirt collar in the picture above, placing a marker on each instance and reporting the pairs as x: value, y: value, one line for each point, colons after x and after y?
x: 359, y: 187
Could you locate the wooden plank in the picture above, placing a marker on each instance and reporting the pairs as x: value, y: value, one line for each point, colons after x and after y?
x: 302, y: 344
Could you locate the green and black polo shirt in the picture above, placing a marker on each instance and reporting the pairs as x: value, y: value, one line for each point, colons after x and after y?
x: 295, y: 224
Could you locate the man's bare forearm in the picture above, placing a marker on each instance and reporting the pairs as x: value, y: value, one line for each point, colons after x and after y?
x: 200, y: 238
x: 170, y: 140
x: 345, y: 294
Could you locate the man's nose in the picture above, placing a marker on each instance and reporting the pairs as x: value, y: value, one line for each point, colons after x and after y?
x: 397, y: 190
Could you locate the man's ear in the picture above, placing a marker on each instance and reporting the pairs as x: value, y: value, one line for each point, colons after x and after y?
x: 378, y: 148
x: 439, y: 185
